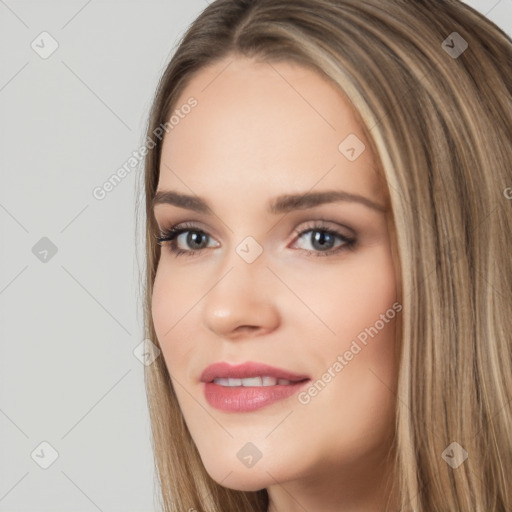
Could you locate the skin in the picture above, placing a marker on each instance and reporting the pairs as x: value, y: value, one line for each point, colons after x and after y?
x: 259, y: 131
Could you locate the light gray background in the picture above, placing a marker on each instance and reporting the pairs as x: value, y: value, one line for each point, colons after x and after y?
x: 68, y: 326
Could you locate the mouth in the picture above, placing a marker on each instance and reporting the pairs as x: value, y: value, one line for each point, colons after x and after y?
x: 249, y: 386
x: 260, y: 381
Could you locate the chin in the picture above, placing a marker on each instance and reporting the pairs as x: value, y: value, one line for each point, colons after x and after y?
x: 240, y: 479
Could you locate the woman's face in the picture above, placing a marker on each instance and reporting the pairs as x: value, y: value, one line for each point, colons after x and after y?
x: 284, y: 273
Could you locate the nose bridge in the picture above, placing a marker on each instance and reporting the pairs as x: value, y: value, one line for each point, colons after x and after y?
x: 250, y: 250
x: 243, y: 273
x: 241, y: 295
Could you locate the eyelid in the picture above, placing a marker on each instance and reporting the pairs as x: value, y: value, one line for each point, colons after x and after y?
x: 321, y: 223
x: 317, y: 223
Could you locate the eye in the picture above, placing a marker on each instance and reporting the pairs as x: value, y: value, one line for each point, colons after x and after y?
x: 194, y: 239
x: 323, y: 238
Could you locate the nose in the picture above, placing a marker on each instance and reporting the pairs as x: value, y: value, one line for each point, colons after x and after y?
x: 243, y: 301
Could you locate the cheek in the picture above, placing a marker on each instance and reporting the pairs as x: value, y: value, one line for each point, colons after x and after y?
x: 369, y: 321
x: 353, y: 297
x: 171, y: 300
x: 174, y: 294
x: 367, y: 303
x: 162, y: 304
x: 361, y: 307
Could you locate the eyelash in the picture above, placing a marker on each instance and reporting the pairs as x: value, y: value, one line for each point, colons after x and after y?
x: 170, y: 235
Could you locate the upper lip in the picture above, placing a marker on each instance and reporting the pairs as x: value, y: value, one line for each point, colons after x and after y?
x: 247, y: 370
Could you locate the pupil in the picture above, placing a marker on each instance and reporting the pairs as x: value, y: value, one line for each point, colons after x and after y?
x: 193, y: 238
x: 320, y: 237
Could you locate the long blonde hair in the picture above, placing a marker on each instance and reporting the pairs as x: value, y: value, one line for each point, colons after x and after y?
x: 439, y: 117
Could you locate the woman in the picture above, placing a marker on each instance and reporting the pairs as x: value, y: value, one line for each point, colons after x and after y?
x: 377, y: 135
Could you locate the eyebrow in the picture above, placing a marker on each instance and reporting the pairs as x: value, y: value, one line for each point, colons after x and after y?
x: 280, y: 204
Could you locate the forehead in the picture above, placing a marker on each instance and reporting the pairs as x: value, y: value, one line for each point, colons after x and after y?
x: 261, y: 126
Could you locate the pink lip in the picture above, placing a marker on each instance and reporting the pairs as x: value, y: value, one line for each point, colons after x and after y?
x: 248, y: 398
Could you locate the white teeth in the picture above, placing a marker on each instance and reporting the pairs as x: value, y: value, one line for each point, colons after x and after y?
x: 252, y: 381
x: 222, y: 382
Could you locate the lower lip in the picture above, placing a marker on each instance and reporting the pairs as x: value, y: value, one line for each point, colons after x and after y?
x: 247, y: 398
